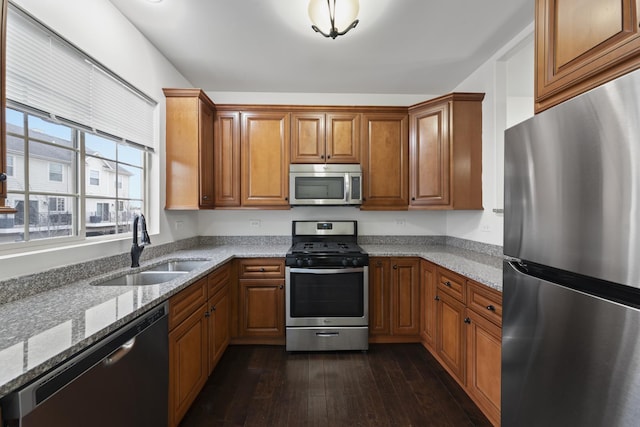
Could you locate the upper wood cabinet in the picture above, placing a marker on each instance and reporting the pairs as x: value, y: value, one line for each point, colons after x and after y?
x: 319, y: 137
x: 445, y: 152
x: 189, y: 148
x: 227, y: 159
x: 385, y: 158
x: 581, y: 44
x: 265, y: 159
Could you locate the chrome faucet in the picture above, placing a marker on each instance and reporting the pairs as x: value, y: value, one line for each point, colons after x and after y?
x: 136, y: 250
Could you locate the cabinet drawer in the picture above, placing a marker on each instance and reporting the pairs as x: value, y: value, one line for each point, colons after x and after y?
x: 452, y: 284
x: 217, y: 279
x: 186, y: 302
x: 261, y: 268
x: 485, y: 301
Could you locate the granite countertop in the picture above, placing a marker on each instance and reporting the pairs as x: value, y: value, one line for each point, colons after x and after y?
x: 40, y: 331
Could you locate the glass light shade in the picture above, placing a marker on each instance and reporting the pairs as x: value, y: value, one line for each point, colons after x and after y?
x: 346, y: 12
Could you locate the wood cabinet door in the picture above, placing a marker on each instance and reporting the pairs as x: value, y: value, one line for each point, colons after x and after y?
x: 385, y: 155
x: 581, y: 44
x: 405, y: 297
x: 219, y: 323
x: 379, y: 295
x: 343, y: 138
x: 308, y: 138
x: 428, y: 306
x: 484, y: 346
x: 206, y: 169
x: 265, y: 159
x: 450, y: 335
x: 262, y: 308
x: 227, y: 159
x: 188, y: 363
x: 429, y: 171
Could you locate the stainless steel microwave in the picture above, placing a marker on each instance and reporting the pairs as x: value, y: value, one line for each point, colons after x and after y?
x: 325, y: 184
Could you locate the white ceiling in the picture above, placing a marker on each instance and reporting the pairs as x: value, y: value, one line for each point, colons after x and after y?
x: 399, y: 46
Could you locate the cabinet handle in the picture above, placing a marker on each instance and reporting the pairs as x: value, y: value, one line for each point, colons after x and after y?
x: 207, y: 314
x: 3, y: 176
x: 437, y: 298
x: 395, y: 267
x: 213, y: 308
x: 467, y: 321
x: 447, y: 283
x: 281, y: 287
x: 491, y: 308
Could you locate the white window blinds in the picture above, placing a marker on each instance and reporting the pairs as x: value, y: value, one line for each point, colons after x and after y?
x: 47, y: 73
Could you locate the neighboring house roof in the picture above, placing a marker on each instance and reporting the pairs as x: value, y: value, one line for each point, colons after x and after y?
x: 15, y: 145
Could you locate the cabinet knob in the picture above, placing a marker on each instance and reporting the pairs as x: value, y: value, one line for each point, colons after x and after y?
x: 261, y: 269
x: 281, y: 287
x: 213, y: 308
x: 207, y: 314
x: 379, y: 264
x: 447, y: 283
x: 3, y: 176
x: 328, y: 156
x: 491, y: 308
x: 286, y: 198
x: 395, y: 267
x: 437, y: 298
x: 322, y: 156
x: 205, y: 197
x: 413, y: 198
x: 467, y: 320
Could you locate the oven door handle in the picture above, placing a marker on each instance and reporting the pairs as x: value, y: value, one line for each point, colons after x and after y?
x: 327, y: 270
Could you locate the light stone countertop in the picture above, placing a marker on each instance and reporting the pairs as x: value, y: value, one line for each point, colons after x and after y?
x: 43, y: 330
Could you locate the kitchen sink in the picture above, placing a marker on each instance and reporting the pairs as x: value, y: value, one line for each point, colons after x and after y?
x: 142, y: 278
x: 179, y: 265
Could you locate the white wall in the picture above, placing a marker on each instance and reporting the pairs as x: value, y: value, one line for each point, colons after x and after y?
x: 491, y: 77
x: 98, y: 28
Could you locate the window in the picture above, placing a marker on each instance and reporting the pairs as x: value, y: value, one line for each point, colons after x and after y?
x: 10, y: 161
x: 79, y: 140
x: 94, y: 177
x: 55, y: 172
x: 56, y: 204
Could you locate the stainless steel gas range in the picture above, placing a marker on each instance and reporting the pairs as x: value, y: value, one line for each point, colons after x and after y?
x: 326, y: 288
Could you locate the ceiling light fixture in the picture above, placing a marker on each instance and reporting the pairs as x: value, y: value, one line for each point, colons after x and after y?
x: 335, y: 18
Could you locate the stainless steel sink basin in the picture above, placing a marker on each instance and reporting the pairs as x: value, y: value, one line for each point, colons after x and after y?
x: 179, y: 265
x: 142, y: 278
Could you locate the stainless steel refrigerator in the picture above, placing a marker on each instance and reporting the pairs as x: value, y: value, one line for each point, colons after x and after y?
x: 571, y: 290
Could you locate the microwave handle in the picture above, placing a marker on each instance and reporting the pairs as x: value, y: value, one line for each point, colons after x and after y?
x: 347, y: 188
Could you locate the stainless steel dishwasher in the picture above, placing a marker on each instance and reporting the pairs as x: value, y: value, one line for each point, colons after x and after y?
x: 120, y: 381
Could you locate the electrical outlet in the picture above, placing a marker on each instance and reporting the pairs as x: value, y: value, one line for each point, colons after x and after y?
x: 255, y: 223
x: 485, y: 228
x: 401, y: 223
x: 179, y: 225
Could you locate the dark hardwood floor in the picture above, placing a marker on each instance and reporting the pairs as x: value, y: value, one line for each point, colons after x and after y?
x: 390, y: 385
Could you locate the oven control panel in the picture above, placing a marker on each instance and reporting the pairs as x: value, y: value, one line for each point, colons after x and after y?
x: 328, y: 261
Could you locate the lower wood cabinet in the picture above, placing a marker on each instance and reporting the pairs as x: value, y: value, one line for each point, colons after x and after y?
x: 394, y: 299
x: 261, y: 304
x: 428, y: 304
x: 199, y: 318
x: 188, y: 349
x: 461, y: 326
x: 484, y: 346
